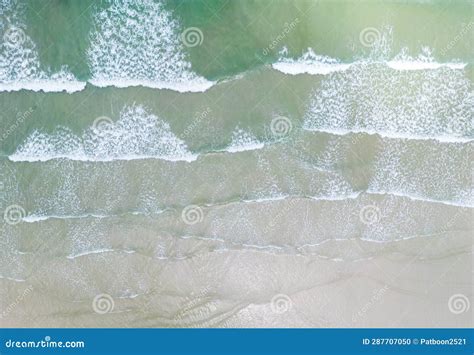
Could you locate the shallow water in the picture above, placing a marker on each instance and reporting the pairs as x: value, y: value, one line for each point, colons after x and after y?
x: 236, y: 163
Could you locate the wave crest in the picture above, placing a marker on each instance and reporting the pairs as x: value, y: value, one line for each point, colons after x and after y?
x: 138, y: 43
x: 138, y: 134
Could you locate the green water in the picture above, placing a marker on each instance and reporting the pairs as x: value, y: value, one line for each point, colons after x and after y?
x: 237, y: 32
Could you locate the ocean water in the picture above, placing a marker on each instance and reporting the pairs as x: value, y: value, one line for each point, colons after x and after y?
x: 236, y: 163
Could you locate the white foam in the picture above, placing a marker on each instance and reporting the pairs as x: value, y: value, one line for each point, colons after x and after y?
x: 33, y: 158
x: 392, y: 135
x: 350, y: 196
x: 49, y: 85
x: 195, y: 85
x: 265, y: 200
x: 324, y: 69
x: 98, y: 251
x: 12, y: 279
x: 243, y: 141
x: 314, y: 64
x: 373, y: 98
x: 419, y: 65
x: 20, y: 67
x: 34, y: 219
x: 421, y: 198
x: 39, y: 218
x: 272, y: 198
x: 309, y: 63
x: 437, y: 173
x: 129, y: 296
x: 424, y: 61
x: 138, y: 134
x: 296, y: 68
x: 137, y: 43
x: 45, y: 85
x: 261, y: 247
x: 358, y: 194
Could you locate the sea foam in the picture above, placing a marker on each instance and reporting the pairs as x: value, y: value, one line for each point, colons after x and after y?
x: 314, y: 64
x: 311, y: 63
x: 139, y: 43
x: 375, y: 99
x: 137, y: 134
x: 243, y: 141
x: 20, y: 67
